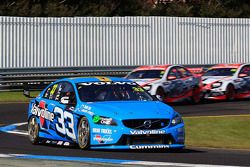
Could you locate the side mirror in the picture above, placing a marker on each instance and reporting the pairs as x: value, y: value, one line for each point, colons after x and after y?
x: 64, y: 100
x: 242, y: 75
x: 26, y: 93
x: 171, y: 77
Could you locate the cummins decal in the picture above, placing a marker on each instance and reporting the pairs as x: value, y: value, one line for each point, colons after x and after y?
x: 145, y: 132
x: 136, y: 147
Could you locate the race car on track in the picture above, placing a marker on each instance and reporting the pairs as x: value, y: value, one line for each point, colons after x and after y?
x: 227, y: 82
x: 173, y: 83
x: 103, y: 113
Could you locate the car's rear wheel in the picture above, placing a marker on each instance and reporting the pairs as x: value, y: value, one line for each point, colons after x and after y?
x: 162, y: 94
x: 196, y: 95
x: 83, y: 133
x: 33, y: 130
x: 230, y: 92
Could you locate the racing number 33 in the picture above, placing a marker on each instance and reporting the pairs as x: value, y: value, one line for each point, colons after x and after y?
x: 60, y: 125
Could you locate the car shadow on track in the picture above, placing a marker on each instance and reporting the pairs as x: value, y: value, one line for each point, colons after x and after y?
x: 179, y: 151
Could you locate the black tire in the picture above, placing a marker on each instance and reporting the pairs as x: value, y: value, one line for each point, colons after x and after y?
x: 161, y: 92
x: 230, y: 93
x: 196, y: 95
x: 33, y: 130
x: 83, y: 133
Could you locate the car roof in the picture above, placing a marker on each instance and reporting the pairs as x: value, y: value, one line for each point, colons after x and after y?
x: 95, y: 79
x: 153, y: 67
x: 227, y: 66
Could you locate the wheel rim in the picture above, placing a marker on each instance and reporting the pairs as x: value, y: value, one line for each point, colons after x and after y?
x: 83, y: 133
x: 230, y: 93
x: 33, y: 129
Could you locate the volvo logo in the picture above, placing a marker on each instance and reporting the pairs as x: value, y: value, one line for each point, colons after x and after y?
x: 147, y: 123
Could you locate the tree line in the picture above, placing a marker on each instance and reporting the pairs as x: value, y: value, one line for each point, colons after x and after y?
x: 188, y: 8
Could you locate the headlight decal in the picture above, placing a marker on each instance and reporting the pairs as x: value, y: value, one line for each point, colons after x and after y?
x: 216, y: 84
x: 176, y: 120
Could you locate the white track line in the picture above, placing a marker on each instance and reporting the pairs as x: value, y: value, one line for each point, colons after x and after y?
x: 18, y: 132
x: 150, y: 163
x: 127, y: 162
x: 15, y: 131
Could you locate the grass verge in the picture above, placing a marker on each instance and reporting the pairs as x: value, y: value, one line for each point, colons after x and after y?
x: 15, y: 96
x: 218, y: 132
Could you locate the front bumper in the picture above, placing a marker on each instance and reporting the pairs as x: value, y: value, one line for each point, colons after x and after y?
x: 214, y: 94
x: 126, y: 138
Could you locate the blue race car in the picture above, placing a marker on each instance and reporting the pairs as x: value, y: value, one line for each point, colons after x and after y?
x: 103, y: 113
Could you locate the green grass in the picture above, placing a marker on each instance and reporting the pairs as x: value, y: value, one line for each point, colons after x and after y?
x: 15, y: 96
x: 218, y: 132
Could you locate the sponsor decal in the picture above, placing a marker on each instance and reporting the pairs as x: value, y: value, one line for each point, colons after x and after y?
x: 106, y: 83
x: 53, y: 91
x: 103, y: 131
x: 57, y: 142
x: 58, y: 92
x: 103, y: 79
x: 96, y: 118
x: 42, y: 112
x: 102, y: 120
x: 47, y: 141
x: 138, y: 89
x: 145, y: 132
x: 60, y: 143
x: 148, y: 146
x: 87, y: 109
x: 103, y: 139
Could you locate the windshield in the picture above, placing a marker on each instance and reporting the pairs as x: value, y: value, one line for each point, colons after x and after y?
x: 144, y: 74
x: 221, y: 72
x: 112, y: 91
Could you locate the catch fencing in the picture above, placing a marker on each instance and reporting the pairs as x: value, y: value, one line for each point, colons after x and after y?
x: 27, y: 42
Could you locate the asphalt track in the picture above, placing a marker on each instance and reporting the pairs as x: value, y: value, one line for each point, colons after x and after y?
x: 19, y: 144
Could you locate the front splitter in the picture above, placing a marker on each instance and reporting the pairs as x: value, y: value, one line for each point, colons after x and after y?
x: 140, y: 147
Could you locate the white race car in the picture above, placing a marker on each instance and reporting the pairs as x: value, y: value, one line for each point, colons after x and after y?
x: 173, y: 83
x: 227, y: 82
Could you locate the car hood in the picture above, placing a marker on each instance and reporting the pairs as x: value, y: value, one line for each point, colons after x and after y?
x: 132, y: 109
x: 142, y: 82
x: 212, y: 79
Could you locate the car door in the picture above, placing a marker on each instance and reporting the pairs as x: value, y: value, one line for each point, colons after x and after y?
x: 189, y: 81
x: 244, y: 78
x: 173, y: 85
x: 65, y: 122
x: 46, y: 106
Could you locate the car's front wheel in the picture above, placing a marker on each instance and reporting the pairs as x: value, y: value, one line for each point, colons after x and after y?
x: 33, y: 130
x: 83, y: 133
x: 161, y: 93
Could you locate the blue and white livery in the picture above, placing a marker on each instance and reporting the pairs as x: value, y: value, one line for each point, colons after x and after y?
x: 103, y: 113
